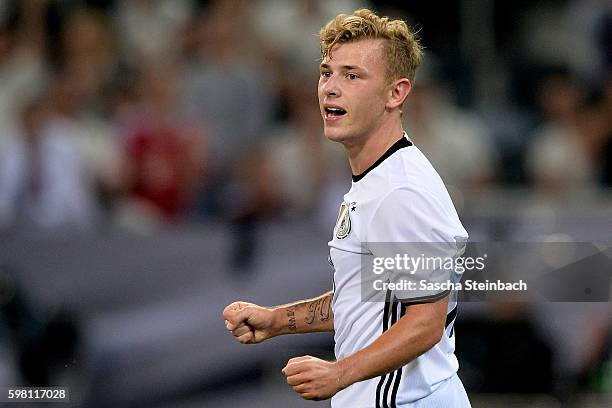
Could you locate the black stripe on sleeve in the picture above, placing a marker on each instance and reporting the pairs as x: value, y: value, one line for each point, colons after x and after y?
x: 450, y: 317
x: 426, y: 299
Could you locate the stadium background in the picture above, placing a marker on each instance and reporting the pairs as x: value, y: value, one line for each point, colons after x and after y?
x: 162, y: 158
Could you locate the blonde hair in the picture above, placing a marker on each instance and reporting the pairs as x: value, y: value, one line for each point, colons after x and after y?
x: 402, y: 48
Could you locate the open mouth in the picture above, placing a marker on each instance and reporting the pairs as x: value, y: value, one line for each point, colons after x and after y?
x: 334, y: 112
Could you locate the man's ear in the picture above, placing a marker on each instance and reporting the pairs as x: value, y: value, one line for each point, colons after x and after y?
x: 399, y: 90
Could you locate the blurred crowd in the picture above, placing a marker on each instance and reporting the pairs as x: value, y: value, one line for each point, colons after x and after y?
x: 148, y: 113
x: 144, y: 114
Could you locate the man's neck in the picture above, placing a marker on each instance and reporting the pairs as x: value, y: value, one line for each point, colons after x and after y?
x: 370, y: 148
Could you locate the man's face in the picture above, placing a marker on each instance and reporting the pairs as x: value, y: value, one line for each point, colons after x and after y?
x: 353, y: 90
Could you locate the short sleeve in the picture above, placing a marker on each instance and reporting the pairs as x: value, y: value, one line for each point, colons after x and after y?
x: 416, y: 238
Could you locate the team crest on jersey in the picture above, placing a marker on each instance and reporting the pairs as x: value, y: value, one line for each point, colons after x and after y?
x: 343, y: 223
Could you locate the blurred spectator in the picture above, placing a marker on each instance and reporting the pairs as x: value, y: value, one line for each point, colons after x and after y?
x: 561, y: 156
x: 88, y: 53
x: 227, y: 87
x: 549, y: 30
x: 22, y: 68
x: 301, y: 157
x: 456, y: 142
x: 89, y: 58
x: 163, y: 152
x: 149, y: 28
x: 588, y: 21
x: 292, y: 27
x: 44, y: 182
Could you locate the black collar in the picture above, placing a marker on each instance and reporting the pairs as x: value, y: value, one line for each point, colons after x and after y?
x: 401, y: 143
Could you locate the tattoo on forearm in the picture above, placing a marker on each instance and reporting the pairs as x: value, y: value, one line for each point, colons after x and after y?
x: 291, y: 316
x: 319, y: 310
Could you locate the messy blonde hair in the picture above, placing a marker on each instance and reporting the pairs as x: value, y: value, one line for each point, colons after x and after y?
x: 402, y: 48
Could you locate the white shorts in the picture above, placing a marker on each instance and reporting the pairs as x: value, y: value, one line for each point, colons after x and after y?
x: 450, y: 394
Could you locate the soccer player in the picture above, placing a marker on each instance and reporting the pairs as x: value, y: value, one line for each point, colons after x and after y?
x: 400, y: 352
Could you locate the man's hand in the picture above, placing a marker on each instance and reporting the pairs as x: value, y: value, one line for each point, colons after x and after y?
x: 249, y: 323
x: 313, y: 378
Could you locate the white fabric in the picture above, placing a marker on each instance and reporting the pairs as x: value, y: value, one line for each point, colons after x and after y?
x: 402, y: 199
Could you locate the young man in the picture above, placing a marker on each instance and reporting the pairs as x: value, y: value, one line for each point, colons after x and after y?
x: 396, y: 353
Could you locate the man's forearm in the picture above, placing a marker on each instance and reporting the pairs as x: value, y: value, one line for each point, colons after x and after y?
x: 305, y: 316
x: 411, y: 336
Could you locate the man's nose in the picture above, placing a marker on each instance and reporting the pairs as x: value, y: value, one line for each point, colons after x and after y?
x: 331, y: 88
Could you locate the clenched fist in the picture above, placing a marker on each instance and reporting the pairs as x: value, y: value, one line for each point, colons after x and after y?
x: 250, y: 323
x: 313, y: 378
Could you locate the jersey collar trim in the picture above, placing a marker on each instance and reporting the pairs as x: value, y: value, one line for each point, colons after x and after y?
x: 401, y: 143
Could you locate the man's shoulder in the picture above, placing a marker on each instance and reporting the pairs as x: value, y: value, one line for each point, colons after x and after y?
x: 405, y: 173
x: 414, y: 163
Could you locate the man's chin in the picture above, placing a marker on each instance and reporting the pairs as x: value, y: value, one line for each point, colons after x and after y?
x: 335, y: 135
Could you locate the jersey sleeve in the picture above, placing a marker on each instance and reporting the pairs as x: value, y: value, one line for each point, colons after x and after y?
x: 416, y: 238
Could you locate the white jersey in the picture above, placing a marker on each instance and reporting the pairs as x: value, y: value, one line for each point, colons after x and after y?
x: 400, y: 198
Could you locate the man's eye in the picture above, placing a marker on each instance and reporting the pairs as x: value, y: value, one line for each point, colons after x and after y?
x: 352, y: 76
x: 325, y: 74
